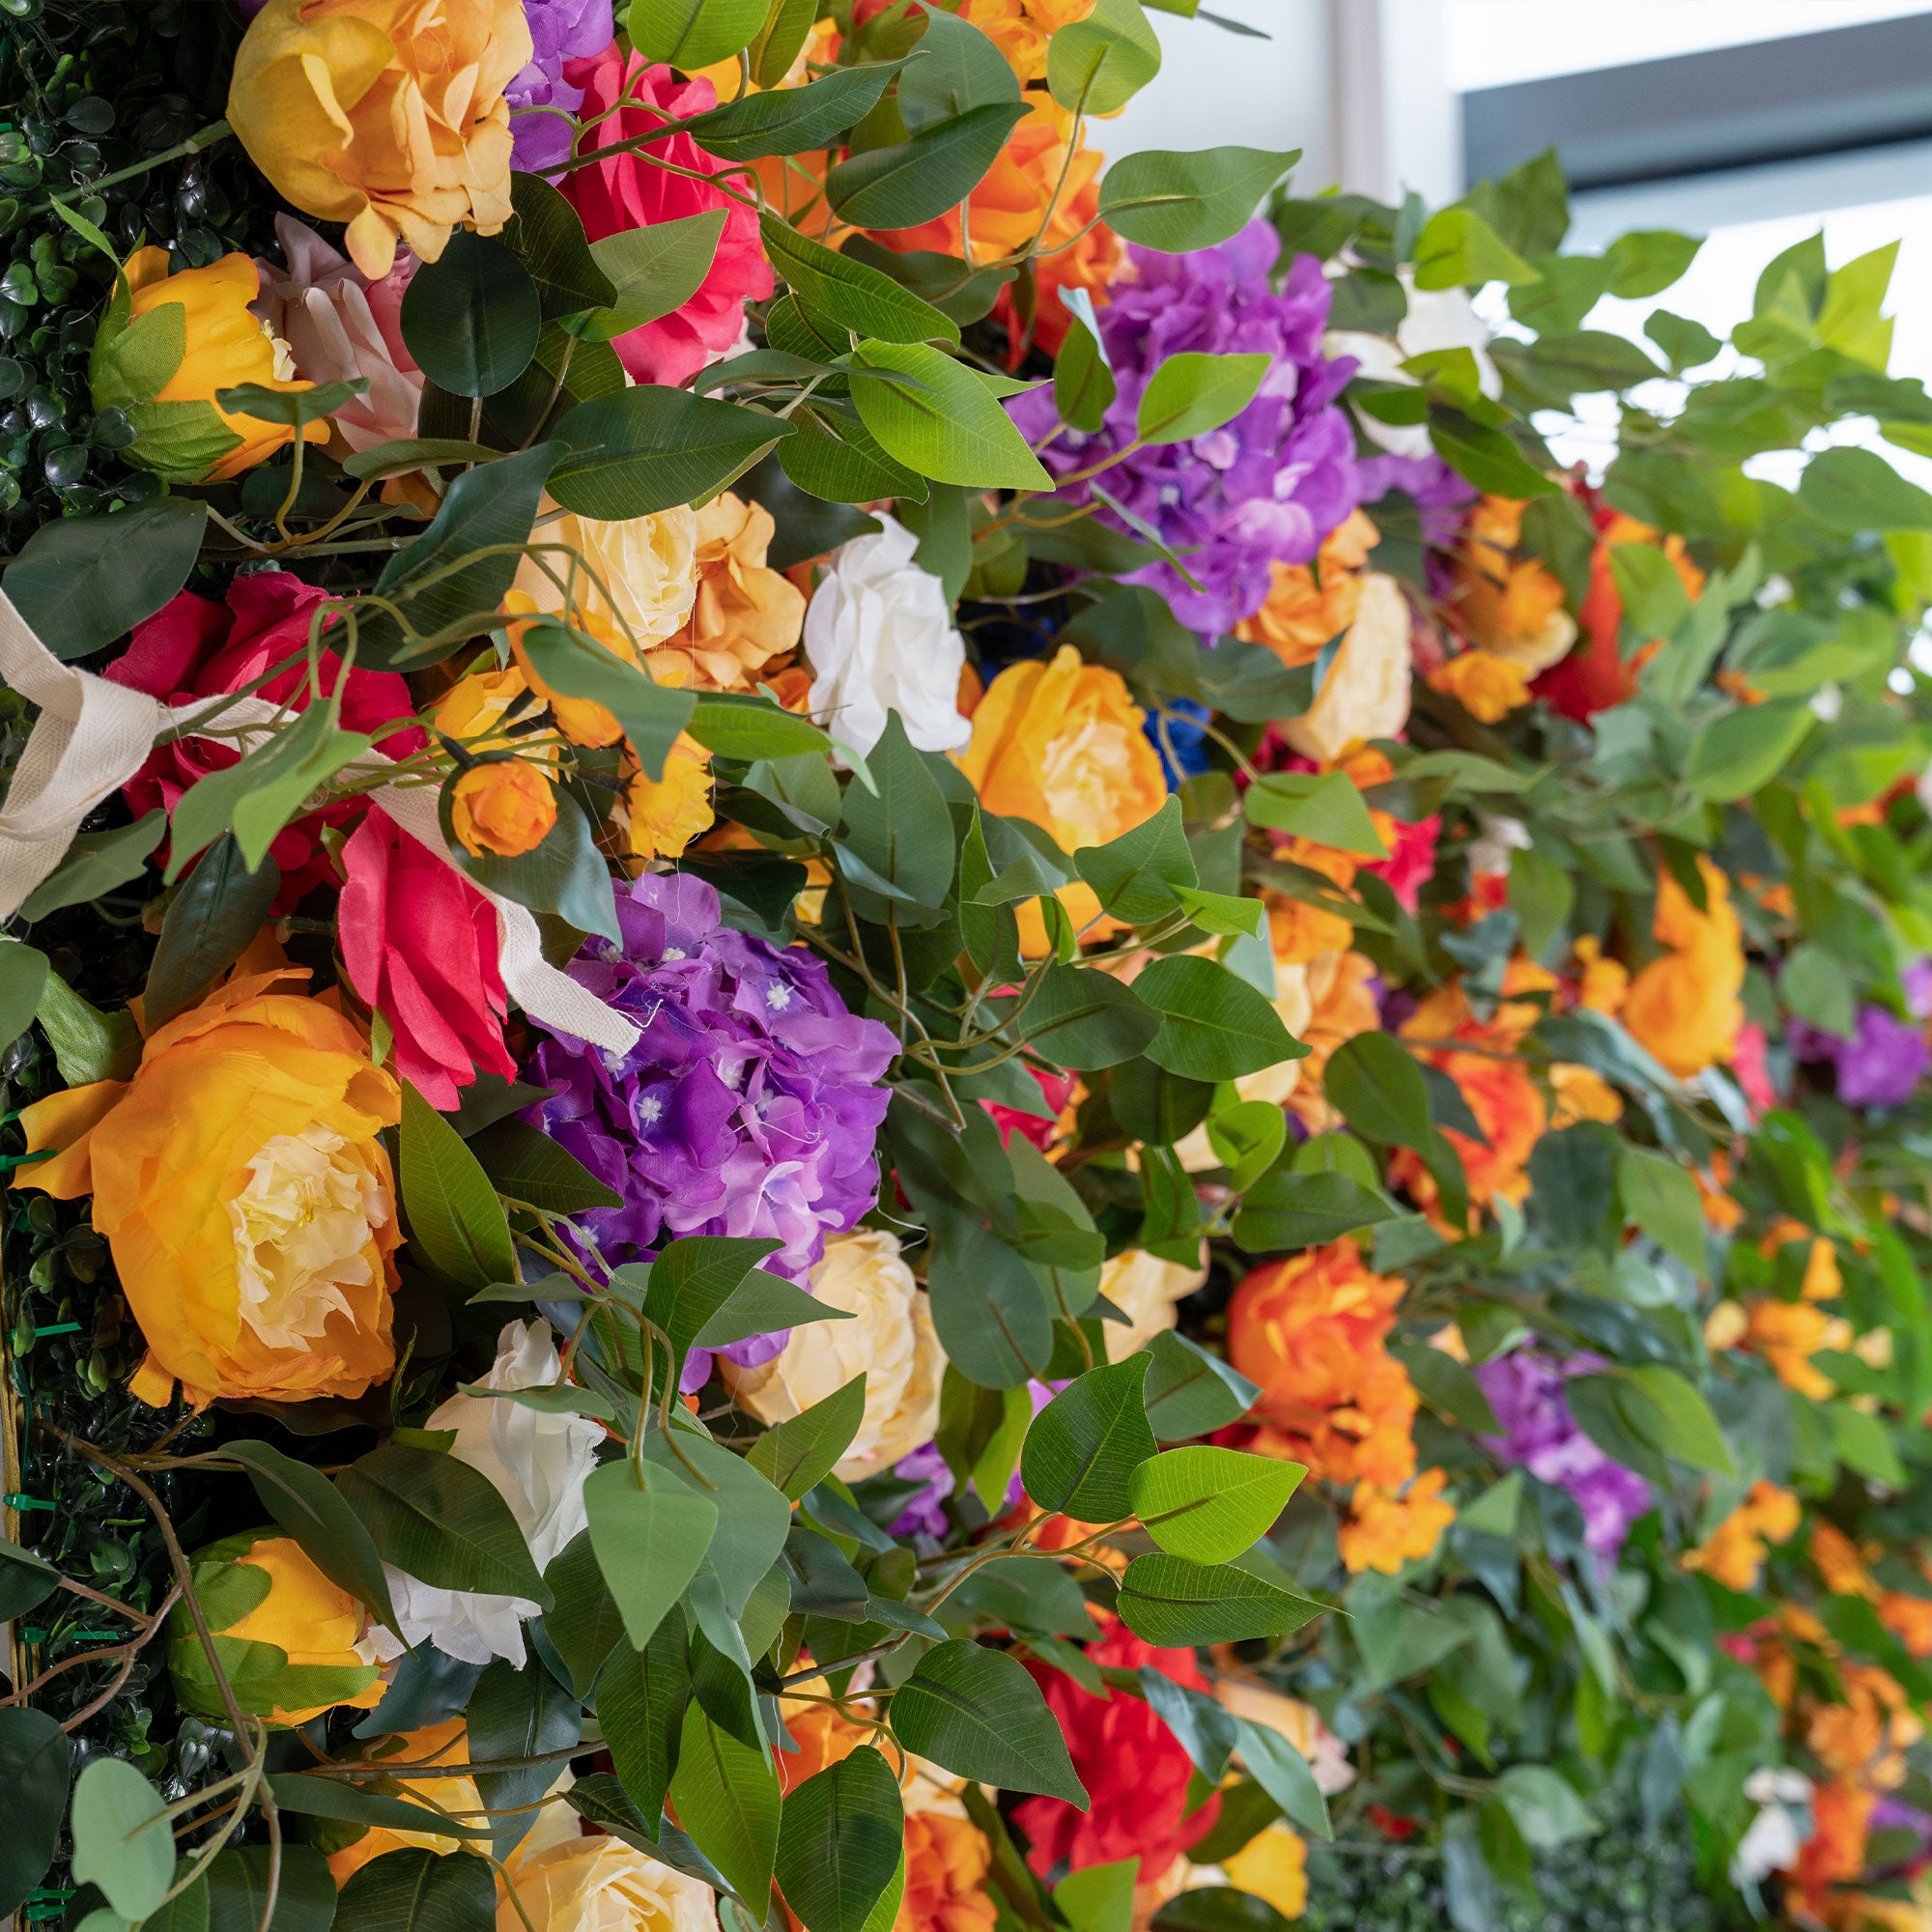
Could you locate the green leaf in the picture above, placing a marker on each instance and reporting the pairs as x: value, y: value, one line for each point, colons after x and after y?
x: 848, y: 293
x: 1217, y: 1026
x: 1170, y: 1601
x: 656, y: 270
x: 798, y: 1454
x: 737, y: 727
x: 1685, y: 1428
x: 442, y: 1522
x: 1086, y: 1019
x: 350, y: 1804
x: 841, y: 1839
x: 649, y: 1539
x: 1178, y: 203
x: 88, y: 1044
x: 641, y: 1703
x: 1864, y: 1444
x: 1248, y: 1139
x: 1324, y: 807
x: 921, y: 179
x: 530, y: 1167
x: 565, y: 875
x: 1458, y: 248
x: 548, y: 239
x: 123, y: 1841
x: 990, y: 1309
x: 1083, y: 1448
x: 726, y: 1796
x: 1743, y: 750
x: 1099, y: 1898
x: 289, y: 407
x: 1857, y: 490
x: 762, y: 1304
x: 26, y: 1580
x: 472, y: 317
x: 1285, y: 1210
x: 575, y: 664
x: 1098, y: 65
x: 208, y: 926
x: 951, y: 430
x: 1083, y: 384
x: 35, y: 1758
x: 1653, y: 594
x: 1447, y: 1385
x: 1545, y: 1806
x: 954, y: 68
x: 649, y: 447
x: 1374, y: 1081
x: 586, y: 1624
x: 1190, y: 1391
x: 414, y: 1891
x: 23, y: 986
x: 1209, y: 1504
x: 404, y: 454
x: 518, y: 1713
x: 1646, y: 261
x: 237, y: 1890
x: 976, y: 1712
x: 901, y: 831
x: 307, y: 1506
x: 82, y: 583
x: 1136, y: 876
x: 690, y: 34
x: 695, y: 1276
x: 1285, y: 1774
x: 1190, y: 393
x: 752, y: 1516
x: 96, y: 864
x: 1662, y: 1198
x: 455, y: 1218
x: 794, y: 119
x: 1483, y: 456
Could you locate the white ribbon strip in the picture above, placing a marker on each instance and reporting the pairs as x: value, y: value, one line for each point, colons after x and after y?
x: 93, y: 736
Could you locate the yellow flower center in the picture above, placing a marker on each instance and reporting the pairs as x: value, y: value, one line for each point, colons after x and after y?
x: 301, y: 1235
x: 1081, y: 769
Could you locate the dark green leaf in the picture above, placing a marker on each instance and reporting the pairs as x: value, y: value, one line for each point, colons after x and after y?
x: 472, y: 317
x: 903, y: 833
x: 1216, y: 1025
x: 649, y: 449
x: 1168, y: 1600
x: 586, y: 1624
x: 1177, y: 202
x: 919, y: 179
x: 548, y: 234
x: 209, y: 923
x: 23, y: 988
x: 33, y: 1761
x: 96, y: 864
x: 726, y: 1796
x: 793, y: 120
x: 649, y: 1539
x: 848, y: 293
x: 641, y: 1703
x: 1191, y: 1391
x: 414, y: 1890
x: 976, y: 1712
x: 455, y: 1218
x: 237, y: 1890
x: 1083, y: 1448
x: 840, y: 1841
x: 83, y: 582
x: 1086, y: 1019
x: 530, y: 1167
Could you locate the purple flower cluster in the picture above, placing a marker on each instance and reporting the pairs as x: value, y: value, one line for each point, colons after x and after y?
x: 750, y: 1105
x: 1267, y: 486
x: 560, y: 30
x: 1879, y: 1066
x: 1525, y: 1390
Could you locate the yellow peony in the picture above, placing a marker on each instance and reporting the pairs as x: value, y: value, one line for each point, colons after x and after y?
x: 183, y: 434
x: 387, y: 114
x: 647, y: 565
x: 667, y: 813
x: 243, y: 1193
x: 891, y: 1339
x: 602, y: 1885
x: 1685, y: 1007
x: 287, y: 1637
x: 1059, y: 743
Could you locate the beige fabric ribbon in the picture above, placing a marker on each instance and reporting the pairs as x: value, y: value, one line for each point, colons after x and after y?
x: 93, y: 736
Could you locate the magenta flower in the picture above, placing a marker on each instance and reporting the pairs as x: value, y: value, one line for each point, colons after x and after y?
x: 1881, y: 1064
x: 749, y: 1107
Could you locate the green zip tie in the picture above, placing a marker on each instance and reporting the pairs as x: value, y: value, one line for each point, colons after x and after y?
x: 59, y: 1328
x: 16, y: 1501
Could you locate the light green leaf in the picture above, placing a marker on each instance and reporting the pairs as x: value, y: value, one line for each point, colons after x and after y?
x: 690, y: 34
x: 1168, y: 1600
x: 1080, y: 1455
x: 921, y: 179
x: 1662, y: 1198
x: 1211, y: 1504
x: 951, y: 430
x: 123, y: 1840
x: 1180, y: 201
x: 1324, y: 807
x: 1216, y: 1025
x: 798, y: 1454
x: 656, y: 268
x: 1098, y: 65
x: 649, y: 1539
x: 1743, y: 750
x: 1190, y: 394
x: 1458, y: 248
x: 726, y: 1796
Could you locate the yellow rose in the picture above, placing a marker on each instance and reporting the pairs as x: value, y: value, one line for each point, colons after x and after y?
x: 387, y: 115
x: 602, y: 1884
x: 891, y: 1339
x: 183, y: 434
x: 1489, y: 688
x: 1365, y: 694
x: 1273, y: 1864
x: 667, y: 813
x: 1684, y: 1006
x: 1146, y: 1290
x: 287, y: 1637
x: 1059, y: 743
x: 243, y: 1193
x: 474, y: 710
x: 648, y: 565
x: 746, y: 613
x: 506, y: 806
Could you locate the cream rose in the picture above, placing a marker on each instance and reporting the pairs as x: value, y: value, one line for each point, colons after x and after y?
x: 1145, y: 1288
x: 602, y: 1884
x: 1436, y: 319
x: 648, y: 565
x: 892, y: 1341
x: 538, y: 1463
x: 1365, y: 694
x: 880, y: 637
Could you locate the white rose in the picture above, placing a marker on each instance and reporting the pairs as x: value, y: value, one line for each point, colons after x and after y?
x: 1436, y: 319
x: 648, y: 564
x: 880, y: 637
x: 1145, y: 1288
x: 602, y: 1884
x: 538, y: 1463
x: 1778, y: 1833
x: 893, y: 1340
x: 338, y: 325
x: 1365, y: 694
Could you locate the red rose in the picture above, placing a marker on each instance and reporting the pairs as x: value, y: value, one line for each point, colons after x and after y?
x: 625, y: 192
x: 1411, y: 861
x: 419, y: 943
x: 1134, y: 1770
x: 193, y: 647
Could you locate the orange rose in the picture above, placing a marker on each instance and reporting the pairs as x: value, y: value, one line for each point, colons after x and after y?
x: 505, y: 806
x: 1022, y: 28
x: 1487, y: 686
x: 1306, y: 605
x: 745, y: 614
x: 1602, y: 985
x: 1683, y: 1008
x: 947, y: 1860
x: 1312, y: 1331
x: 1510, y: 605
x: 1733, y: 1553
x: 1841, y: 1821
x: 1385, y: 1530
x: 1787, y: 1334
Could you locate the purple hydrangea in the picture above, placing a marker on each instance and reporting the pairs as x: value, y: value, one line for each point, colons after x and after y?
x: 750, y: 1105
x: 560, y: 30
x: 1525, y: 1390
x: 1879, y: 1066
x: 1267, y: 486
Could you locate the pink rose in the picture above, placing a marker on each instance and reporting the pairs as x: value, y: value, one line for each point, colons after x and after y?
x: 419, y: 943
x: 340, y: 325
x: 1411, y: 859
x: 193, y: 647
x: 624, y: 191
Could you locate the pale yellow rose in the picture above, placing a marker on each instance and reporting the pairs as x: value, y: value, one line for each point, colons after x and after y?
x: 1365, y: 694
x: 648, y: 564
x: 602, y: 1884
x: 1146, y: 1290
x: 891, y: 1339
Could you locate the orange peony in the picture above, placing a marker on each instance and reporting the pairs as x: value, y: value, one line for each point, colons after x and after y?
x: 1385, y: 1530
x: 1864, y: 1735
x: 1487, y: 686
x: 1022, y: 28
x: 1683, y: 1008
x: 505, y: 806
x: 1602, y: 985
x: 1310, y: 604
x: 1787, y: 1334
x: 1733, y: 1553
x: 244, y: 1194
x: 947, y: 1860
x: 746, y: 613
x: 1511, y: 607
x: 1841, y: 1821
x: 387, y: 115
x: 1822, y: 1280
x: 1312, y: 1331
